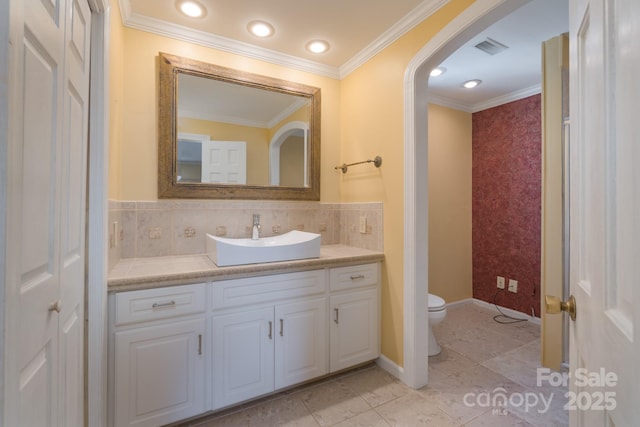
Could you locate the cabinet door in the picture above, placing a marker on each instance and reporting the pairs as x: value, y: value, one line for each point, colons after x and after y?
x: 159, y: 373
x: 242, y: 356
x: 301, y: 341
x: 354, y: 328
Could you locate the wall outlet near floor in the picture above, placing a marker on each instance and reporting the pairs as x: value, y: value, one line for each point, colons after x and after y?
x: 513, y: 286
x: 500, y: 282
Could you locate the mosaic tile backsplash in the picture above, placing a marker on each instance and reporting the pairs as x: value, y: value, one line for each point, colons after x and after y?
x: 178, y: 227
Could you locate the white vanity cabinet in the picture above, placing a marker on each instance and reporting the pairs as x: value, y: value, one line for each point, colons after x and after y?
x: 180, y: 351
x: 355, y: 318
x: 259, y: 350
x: 158, y: 355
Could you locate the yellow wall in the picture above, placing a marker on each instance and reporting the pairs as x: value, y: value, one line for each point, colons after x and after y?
x: 450, y: 267
x: 116, y: 98
x: 362, y: 116
x: 372, y: 104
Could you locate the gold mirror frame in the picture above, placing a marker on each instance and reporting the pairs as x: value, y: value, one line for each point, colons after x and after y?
x: 168, y: 187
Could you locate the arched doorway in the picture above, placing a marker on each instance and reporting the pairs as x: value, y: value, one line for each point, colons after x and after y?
x: 474, y: 19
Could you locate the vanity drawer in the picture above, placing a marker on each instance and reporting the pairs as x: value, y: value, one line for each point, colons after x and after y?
x: 254, y: 290
x: 353, y: 276
x: 160, y: 303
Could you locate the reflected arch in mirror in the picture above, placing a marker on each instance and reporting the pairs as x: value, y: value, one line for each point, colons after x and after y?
x: 292, y: 129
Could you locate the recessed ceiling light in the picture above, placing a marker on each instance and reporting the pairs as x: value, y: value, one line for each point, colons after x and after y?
x: 318, y: 46
x: 191, y: 8
x: 437, y: 71
x: 470, y: 84
x: 260, y: 28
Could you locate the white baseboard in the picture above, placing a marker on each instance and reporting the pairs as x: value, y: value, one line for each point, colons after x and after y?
x: 391, y: 367
x: 507, y: 311
x: 460, y: 303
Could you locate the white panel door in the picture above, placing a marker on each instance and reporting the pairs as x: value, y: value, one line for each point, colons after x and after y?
x: 242, y: 356
x: 33, y: 260
x: 301, y: 341
x: 72, y: 191
x: 159, y: 373
x: 605, y: 208
x: 48, y: 123
x: 354, y: 329
x: 224, y: 162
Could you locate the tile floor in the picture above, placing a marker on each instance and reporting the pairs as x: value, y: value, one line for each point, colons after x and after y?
x: 480, y: 360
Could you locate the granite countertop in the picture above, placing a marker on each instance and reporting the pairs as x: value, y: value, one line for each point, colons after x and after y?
x: 143, y: 273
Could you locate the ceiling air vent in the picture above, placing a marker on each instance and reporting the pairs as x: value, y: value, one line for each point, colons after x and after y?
x: 491, y: 46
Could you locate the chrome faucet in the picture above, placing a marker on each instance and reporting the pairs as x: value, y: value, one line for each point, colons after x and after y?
x: 255, y: 232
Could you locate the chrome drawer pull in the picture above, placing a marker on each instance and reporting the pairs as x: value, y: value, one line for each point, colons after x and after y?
x: 163, y: 304
x: 270, y: 329
x: 336, y: 319
x: 359, y: 276
x: 281, y: 327
x: 199, y: 344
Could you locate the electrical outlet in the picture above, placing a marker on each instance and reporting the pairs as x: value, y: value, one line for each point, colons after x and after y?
x: 513, y: 286
x: 500, y: 282
x: 363, y: 225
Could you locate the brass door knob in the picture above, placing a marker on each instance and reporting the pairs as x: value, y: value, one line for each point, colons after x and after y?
x: 555, y: 305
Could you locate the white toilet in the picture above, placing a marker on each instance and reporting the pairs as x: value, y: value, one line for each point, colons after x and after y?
x: 437, y: 312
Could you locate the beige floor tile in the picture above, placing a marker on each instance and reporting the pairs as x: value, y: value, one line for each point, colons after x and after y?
x: 480, y: 344
x: 496, y: 419
x: 375, y: 386
x: 538, y: 415
x: 519, y: 365
x: 414, y: 409
x: 332, y: 402
x: 367, y: 419
x: 287, y: 411
x: 450, y: 361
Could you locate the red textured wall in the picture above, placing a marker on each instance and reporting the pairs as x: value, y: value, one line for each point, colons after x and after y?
x: 507, y: 143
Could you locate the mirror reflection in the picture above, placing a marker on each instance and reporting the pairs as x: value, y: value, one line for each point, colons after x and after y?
x: 225, y: 133
x: 234, y: 134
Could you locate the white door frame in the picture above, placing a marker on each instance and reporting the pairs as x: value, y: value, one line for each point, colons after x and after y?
x: 97, y: 217
x: 470, y: 22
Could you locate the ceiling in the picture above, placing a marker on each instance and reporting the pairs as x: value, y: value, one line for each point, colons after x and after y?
x: 358, y: 29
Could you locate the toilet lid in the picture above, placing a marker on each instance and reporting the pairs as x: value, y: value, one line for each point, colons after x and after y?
x: 435, y: 302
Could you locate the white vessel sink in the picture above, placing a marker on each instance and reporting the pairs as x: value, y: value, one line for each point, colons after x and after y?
x: 285, y: 247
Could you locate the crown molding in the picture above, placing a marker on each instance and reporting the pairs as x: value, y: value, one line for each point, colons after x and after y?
x: 410, y: 20
x: 449, y: 103
x: 493, y: 102
x: 179, y: 32
x: 509, y: 97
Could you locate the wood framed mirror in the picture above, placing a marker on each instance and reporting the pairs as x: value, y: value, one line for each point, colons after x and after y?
x: 230, y: 134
